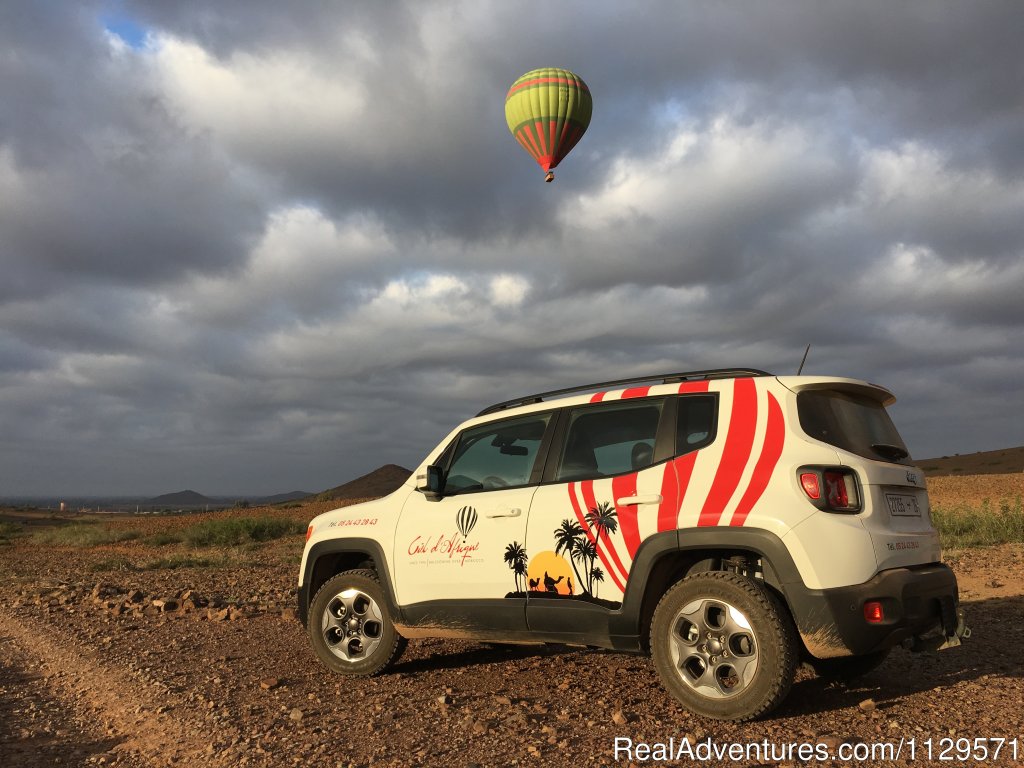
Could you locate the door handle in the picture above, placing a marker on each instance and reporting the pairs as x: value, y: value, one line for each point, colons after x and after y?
x: 650, y: 498
x: 514, y: 512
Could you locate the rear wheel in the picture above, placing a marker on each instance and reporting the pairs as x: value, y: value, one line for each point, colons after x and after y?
x: 724, y: 646
x: 350, y: 626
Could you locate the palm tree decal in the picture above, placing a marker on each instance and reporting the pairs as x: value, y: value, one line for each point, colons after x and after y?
x: 567, y: 538
x: 572, y: 538
x: 603, y: 519
x: 515, y: 556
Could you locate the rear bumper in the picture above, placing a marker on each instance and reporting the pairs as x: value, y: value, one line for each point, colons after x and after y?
x: 921, y: 610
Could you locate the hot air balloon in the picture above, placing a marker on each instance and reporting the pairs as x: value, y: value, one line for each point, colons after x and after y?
x: 548, y: 110
x: 465, y: 520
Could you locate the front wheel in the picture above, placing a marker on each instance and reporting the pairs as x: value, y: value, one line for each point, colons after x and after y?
x: 350, y: 626
x: 724, y: 646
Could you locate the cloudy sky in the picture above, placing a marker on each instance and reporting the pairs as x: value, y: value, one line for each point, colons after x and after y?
x: 251, y: 247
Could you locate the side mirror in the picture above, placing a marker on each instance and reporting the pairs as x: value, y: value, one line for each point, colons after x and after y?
x: 434, y: 483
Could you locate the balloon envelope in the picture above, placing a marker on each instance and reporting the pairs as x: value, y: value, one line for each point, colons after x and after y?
x: 548, y: 110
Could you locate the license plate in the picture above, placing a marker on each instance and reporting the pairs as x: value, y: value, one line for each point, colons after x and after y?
x: 903, y: 505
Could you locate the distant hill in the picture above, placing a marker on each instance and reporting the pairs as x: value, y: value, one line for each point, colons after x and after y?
x: 279, y: 498
x: 181, y: 499
x: 380, y: 482
x: 1000, y: 462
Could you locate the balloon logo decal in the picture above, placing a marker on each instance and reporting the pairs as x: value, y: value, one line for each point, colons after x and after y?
x: 547, y: 111
x: 465, y: 518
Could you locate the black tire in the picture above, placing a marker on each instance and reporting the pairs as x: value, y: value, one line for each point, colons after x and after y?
x: 848, y: 667
x: 350, y: 626
x: 724, y: 646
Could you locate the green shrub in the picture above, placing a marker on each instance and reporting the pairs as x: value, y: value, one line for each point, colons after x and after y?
x: 114, y: 564
x: 171, y: 562
x: 8, y: 531
x: 241, y: 530
x: 186, y: 561
x: 163, y: 539
x: 967, y: 526
x: 84, y: 535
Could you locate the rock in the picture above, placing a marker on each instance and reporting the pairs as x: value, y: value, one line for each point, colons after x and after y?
x: 619, y: 718
x: 191, y: 595
x: 289, y: 614
x: 296, y: 714
x: 136, y: 596
x: 268, y: 683
x: 868, y: 705
x: 217, y: 614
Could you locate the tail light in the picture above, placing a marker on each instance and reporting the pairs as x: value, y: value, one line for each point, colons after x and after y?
x: 873, y: 612
x: 831, y: 489
x: 309, y: 532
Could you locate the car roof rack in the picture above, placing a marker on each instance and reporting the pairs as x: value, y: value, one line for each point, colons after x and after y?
x: 664, y: 378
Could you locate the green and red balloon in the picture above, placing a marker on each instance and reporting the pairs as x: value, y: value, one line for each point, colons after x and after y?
x: 547, y: 111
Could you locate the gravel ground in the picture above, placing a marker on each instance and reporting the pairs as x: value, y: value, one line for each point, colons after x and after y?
x: 96, y: 670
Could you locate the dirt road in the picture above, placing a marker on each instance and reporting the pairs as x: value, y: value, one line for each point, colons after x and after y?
x: 93, y: 672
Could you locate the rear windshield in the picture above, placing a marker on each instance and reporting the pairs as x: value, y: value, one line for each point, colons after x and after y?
x: 853, y: 423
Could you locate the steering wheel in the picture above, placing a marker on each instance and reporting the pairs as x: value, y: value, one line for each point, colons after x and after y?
x: 493, y: 481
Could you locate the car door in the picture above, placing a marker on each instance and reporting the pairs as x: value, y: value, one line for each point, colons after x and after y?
x: 611, y: 482
x: 460, y: 560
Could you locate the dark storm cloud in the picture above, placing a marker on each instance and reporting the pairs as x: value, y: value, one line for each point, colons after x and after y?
x: 103, y: 184
x: 262, y: 246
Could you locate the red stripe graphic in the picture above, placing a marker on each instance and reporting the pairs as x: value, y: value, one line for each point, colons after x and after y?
x: 583, y: 522
x: 541, y: 80
x: 635, y: 392
x: 598, y: 397
x: 677, y: 474
x: 775, y: 436
x: 739, y: 443
x: 539, y: 128
x: 561, y: 139
x: 591, y: 501
x: 668, y: 510
x: 625, y: 485
x: 526, y: 139
x: 668, y: 513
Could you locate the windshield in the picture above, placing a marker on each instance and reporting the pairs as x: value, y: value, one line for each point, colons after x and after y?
x: 853, y: 423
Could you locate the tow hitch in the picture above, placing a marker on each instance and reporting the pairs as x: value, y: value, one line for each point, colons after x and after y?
x: 940, y: 640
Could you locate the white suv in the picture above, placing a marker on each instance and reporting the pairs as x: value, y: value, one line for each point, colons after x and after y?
x: 729, y: 522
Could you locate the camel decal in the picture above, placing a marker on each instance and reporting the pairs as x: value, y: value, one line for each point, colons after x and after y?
x: 551, y: 585
x: 572, y: 564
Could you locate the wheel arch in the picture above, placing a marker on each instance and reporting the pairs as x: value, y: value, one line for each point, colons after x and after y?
x: 334, y: 556
x: 668, y: 557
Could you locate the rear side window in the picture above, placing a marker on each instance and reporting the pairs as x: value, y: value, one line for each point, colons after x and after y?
x: 695, y: 423
x: 496, y: 455
x: 853, y: 423
x: 609, y: 439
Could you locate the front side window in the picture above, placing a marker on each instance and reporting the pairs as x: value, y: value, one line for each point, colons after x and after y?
x: 609, y: 440
x: 496, y: 455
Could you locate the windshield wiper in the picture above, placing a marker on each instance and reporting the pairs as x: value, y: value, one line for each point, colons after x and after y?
x: 888, y: 451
